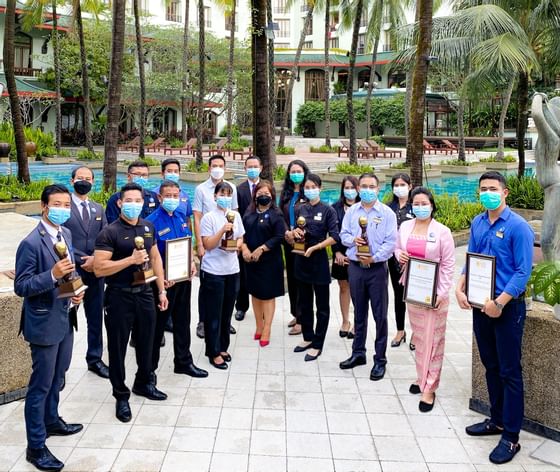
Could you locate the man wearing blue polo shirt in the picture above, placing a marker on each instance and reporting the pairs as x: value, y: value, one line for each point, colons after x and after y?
x: 171, y: 170
x: 498, y: 326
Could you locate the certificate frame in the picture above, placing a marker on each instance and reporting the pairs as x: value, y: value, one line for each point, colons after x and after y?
x: 427, y: 296
x: 178, y: 252
x: 487, y: 280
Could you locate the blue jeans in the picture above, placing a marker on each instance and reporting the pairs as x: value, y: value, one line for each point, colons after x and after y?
x: 499, y: 343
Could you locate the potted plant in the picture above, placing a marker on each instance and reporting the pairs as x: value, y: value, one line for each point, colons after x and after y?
x: 545, y: 282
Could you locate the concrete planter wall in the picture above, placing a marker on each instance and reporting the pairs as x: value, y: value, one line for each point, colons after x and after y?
x: 501, y: 166
x: 57, y: 160
x: 32, y: 207
x: 90, y: 164
x: 202, y: 176
x: 4, y: 160
x: 529, y: 215
x: 463, y: 170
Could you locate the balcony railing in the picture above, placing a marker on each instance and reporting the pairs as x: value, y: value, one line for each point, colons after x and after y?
x: 387, y: 47
x: 174, y: 17
x: 27, y: 71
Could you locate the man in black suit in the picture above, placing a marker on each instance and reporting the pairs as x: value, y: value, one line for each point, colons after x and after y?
x: 46, y: 322
x: 86, y: 221
x: 245, y: 194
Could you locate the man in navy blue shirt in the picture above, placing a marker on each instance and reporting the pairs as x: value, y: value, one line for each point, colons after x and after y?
x: 171, y: 170
x: 171, y: 223
x: 498, y: 326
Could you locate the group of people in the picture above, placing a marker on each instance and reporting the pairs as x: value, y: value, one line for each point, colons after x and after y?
x: 244, y: 238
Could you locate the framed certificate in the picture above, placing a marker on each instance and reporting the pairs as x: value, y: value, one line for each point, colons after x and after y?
x: 178, y: 259
x: 480, y: 278
x: 420, y: 286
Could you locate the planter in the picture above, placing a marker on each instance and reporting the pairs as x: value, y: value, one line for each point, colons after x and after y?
x: 57, y: 160
x: 202, y: 176
x: 4, y: 160
x: 336, y: 177
x: 32, y: 207
x: 501, y: 166
x: 30, y: 148
x: 151, y: 169
x: 5, y: 149
x: 90, y: 164
x: 463, y: 170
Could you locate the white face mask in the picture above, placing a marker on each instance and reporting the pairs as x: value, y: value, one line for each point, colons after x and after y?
x: 217, y: 173
x: 400, y: 192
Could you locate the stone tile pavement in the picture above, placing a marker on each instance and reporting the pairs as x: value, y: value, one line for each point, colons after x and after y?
x: 273, y: 412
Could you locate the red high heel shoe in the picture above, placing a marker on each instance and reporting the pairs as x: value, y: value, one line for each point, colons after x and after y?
x: 257, y: 336
x: 264, y: 342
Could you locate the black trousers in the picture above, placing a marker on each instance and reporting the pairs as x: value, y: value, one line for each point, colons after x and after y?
x: 93, y: 307
x: 369, y: 286
x: 305, y: 292
x: 398, y: 291
x: 123, y: 312
x: 292, y: 281
x: 218, y: 294
x: 242, y: 303
x: 179, y: 310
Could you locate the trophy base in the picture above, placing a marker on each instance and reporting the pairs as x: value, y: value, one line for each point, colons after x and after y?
x: 229, y: 245
x: 299, y: 248
x: 71, y: 289
x: 363, y: 251
x: 144, y: 277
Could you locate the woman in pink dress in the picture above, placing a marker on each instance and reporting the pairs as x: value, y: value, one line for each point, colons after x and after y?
x: 426, y: 238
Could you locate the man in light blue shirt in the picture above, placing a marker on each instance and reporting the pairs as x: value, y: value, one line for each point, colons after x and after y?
x: 367, y: 275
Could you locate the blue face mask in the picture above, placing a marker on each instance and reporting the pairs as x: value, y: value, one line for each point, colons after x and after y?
x: 58, y: 215
x: 131, y: 210
x: 253, y: 172
x: 491, y: 200
x: 422, y: 212
x: 350, y: 194
x: 297, y: 178
x: 170, y: 204
x: 312, y: 193
x: 142, y: 181
x: 368, y: 195
x: 223, y: 202
x: 172, y: 177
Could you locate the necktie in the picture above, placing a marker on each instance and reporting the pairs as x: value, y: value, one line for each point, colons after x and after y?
x: 253, y: 190
x: 85, y: 213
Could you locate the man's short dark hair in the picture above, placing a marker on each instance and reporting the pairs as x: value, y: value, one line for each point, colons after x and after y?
x: 493, y: 175
x: 214, y: 158
x: 129, y: 187
x: 171, y: 160
x: 254, y: 157
x: 51, y: 190
x: 137, y: 163
x: 167, y: 184
x: 368, y: 175
x: 223, y: 186
x: 76, y: 169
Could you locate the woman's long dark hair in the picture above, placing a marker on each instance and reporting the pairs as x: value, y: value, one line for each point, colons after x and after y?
x: 354, y: 181
x: 253, y: 205
x: 401, y: 175
x: 289, y: 187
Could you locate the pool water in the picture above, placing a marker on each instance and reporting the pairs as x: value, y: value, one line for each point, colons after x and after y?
x: 463, y: 186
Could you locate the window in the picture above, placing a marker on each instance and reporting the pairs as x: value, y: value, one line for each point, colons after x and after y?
x: 361, y: 44
x: 280, y: 7
x: 309, y: 29
x: 283, y: 28
x: 363, y: 78
x: 308, y: 45
x: 334, y: 20
x: 364, y: 18
x: 23, y: 60
x: 173, y: 12
x: 281, y: 45
x: 314, y: 85
x: 227, y: 17
x: 281, y: 86
x: 333, y: 42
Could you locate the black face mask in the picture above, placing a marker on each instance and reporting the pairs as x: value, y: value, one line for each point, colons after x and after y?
x: 82, y: 187
x: 264, y: 200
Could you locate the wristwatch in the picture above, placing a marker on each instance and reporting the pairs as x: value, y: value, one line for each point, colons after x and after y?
x: 163, y: 292
x: 498, y: 305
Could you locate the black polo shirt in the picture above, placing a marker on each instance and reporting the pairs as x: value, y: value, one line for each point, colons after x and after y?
x: 118, y: 238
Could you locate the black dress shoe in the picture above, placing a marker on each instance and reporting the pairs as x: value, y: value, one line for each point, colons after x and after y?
x: 61, y: 428
x: 414, y: 389
x: 395, y: 343
x: 149, y: 391
x: 302, y: 348
x: 504, y: 452
x: 200, y: 330
x: 239, y: 315
x: 352, y: 361
x: 123, y: 411
x: 43, y: 459
x: 351, y: 335
x: 226, y: 357
x: 309, y: 357
x: 232, y: 330
x: 99, y: 368
x: 377, y: 373
x: 222, y: 366
x: 486, y: 428
x: 425, y: 407
x: 162, y: 342
x: 191, y: 370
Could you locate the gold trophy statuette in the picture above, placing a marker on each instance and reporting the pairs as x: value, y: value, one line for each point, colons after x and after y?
x: 228, y: 243
x: 299, y: 244
x: 145, y: 272
x: 71, y: 284
x: 364, y: 250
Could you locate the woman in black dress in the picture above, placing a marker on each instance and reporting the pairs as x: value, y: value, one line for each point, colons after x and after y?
x: 348, y: 196
x: 312, y: 268
x: 262, y: 251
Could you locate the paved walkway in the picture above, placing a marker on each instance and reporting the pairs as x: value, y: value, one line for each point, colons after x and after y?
x: 273, y: 412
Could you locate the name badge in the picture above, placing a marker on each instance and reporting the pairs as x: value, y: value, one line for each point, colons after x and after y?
x: 500, y: 234
x: 93, y: 210
x: 97, y: 218
x: 148, y: 235
x: 409, y: 215
x: 151, y: 204
x: 318, y: 217
x: 183, y: 199
x: 164, y: 231
x: 431, y: 238
x: 376, y: 220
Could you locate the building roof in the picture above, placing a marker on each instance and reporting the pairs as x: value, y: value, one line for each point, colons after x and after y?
x: 337, y: 58
x: 21, y: 7
x: 27, y: 87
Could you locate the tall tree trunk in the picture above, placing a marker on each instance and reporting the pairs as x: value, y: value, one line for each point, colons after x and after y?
x: 370, y: 83
x: 407, y: 101
x: 327, y: 74
x: 142, y: 77
x: 114, y: 96
x: 201, y: 83
x: 9, y: 64
x: 261, y: 117
x: 185, y: 74
x: 502, y: 123
x: 352, y: 153
x: 522, y: 118
x: 271, y: 86
x: 58, y: 99
x: 461, y: 128
x: 419, y: 81
x: 290, y: 88
x: 85, y: 78
x: 229, y: 86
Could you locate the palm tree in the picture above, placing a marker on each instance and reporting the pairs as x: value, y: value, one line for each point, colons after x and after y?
x: 201, y: 83
x: 142, y: 78
x: 327, y: 75
x: 114, y: 96
x: 271, y: 85
x: 9, y: 71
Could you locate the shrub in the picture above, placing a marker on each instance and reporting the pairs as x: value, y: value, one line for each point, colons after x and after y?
x: 45, y: 141
x: 456, y: 162
x: 234, y: 147
x: 89, y: 156
x: 148, y: 140
x: 175, y: 143
x: 285, y: 150
x: 525, y: 192
x: 399, y: 165
x: 191, y: 167
x: 279, y: 173
x: 507, y: 158
x: 323, y: 149
x: 545, y: 280
x: 151, y: 161
x: 454, y: 213
x: 353, y: 169
x: 101, y: 197
x: 13, y: 190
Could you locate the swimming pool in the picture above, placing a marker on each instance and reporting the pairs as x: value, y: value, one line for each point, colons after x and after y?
x: 462, y: 186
